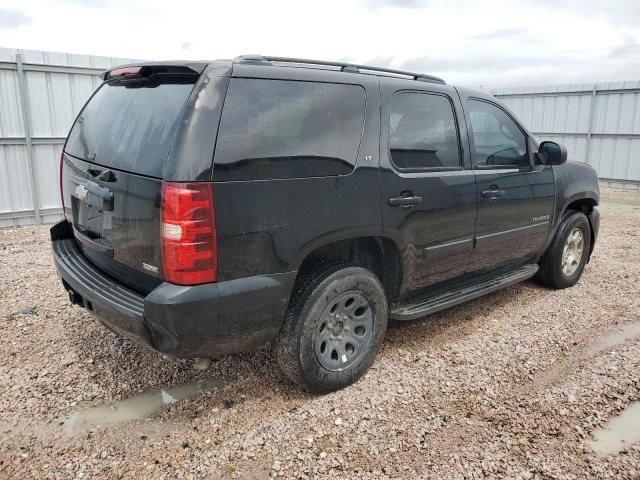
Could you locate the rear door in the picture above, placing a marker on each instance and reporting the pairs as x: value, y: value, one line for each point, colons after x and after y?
x: 515, y: 196
x: 112, y: 172
x: 428, y: 188
x: 293, y: 167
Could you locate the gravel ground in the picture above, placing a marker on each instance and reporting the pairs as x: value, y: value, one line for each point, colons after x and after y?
x: 512, y: 385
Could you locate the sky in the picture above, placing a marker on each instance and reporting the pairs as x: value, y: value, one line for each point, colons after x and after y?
x: 489, y: 44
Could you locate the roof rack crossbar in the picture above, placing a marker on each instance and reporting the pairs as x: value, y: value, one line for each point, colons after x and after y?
x: 345, y: 67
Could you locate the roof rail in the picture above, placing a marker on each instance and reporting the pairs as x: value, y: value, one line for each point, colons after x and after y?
x: 345, y: 67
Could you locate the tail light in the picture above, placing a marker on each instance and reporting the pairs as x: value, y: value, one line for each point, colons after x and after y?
x: 61, y: 191
x: 188, y: 232
x: 123, y: 72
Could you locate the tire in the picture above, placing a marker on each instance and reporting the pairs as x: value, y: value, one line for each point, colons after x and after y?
x: 320, y: 311
x: 552, y: 274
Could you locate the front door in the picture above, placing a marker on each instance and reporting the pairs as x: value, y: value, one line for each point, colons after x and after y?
x: 515, y: 196
x: 428, y: 188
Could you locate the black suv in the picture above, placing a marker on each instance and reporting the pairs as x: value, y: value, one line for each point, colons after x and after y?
x: 214, y: 207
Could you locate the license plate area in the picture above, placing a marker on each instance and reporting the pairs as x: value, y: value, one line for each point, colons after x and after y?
x: 92, y: 210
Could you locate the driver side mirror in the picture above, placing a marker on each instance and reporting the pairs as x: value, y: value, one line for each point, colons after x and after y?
x: 552, y: 153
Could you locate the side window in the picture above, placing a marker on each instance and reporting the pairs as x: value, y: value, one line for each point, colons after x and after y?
x: 498, y: 142
x: 288, y: 129
x: 423, y: 132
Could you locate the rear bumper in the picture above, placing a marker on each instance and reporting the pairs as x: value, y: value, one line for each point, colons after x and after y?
x: 183, y: 321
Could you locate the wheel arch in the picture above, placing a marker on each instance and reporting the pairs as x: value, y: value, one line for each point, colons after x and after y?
x: 377, y: 253
x: 586, y: 205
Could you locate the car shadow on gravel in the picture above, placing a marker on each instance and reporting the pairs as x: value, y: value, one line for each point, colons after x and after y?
x: 122, y: 368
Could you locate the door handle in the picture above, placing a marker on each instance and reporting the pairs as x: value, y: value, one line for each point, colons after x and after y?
x: 493, y: 193
x: 102, y: 193
x: 405, y: 201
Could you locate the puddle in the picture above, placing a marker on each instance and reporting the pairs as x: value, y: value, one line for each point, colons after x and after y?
x: 134, y: 408
x: 620, y: 335
x: 618, y: 433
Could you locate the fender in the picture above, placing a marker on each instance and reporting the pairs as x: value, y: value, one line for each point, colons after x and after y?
x: 574, y: 181
x: 337, y: 236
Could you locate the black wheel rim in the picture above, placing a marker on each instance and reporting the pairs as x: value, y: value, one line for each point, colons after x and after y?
x: 344, y: 332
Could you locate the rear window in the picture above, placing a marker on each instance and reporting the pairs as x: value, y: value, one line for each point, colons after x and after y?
x: 288, y: 129
x: 130, y: 127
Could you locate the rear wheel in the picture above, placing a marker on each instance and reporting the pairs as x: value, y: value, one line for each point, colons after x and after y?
x: 333, y: 329
x: 563, y: 262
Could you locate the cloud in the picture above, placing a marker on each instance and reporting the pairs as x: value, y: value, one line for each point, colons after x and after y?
x: 380, y: 61
x: 466, y: 42
x: 84, y: 3
x: 13, y: 18
x: 526, y: 70
x: 501, y: 34
x: 620, y: 11
x: 630, y: 49
x: 375, y: 4
x: 464, y: 63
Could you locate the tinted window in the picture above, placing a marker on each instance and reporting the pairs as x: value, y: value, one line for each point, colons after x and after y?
x: 130, y: 128
x: 288, y: 129
x: 497, y: 139
x: 422, y: 132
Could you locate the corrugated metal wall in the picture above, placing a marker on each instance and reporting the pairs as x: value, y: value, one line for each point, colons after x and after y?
x: 598, y: 123
x: 40, y: 95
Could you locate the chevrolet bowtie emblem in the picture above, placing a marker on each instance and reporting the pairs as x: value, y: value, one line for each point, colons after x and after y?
x: 81, y: 192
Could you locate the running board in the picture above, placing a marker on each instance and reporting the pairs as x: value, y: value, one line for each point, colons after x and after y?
x: 420, y: 307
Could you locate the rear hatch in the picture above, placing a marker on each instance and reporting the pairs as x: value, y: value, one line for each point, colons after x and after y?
x: 112, y: 169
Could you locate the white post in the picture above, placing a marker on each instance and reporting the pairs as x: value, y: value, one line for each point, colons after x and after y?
x: 592, y: 110
x: 26, y: 124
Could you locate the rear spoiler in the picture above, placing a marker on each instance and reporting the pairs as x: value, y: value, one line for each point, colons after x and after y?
x: 133, y: 70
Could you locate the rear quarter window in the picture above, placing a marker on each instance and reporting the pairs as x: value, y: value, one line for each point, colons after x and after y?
x: 130, y: 127
x: 423, y: 133
x: 276, y: 129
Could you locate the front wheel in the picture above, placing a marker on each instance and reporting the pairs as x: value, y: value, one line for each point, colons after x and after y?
x: 562, y: 264
x: 333, y: 329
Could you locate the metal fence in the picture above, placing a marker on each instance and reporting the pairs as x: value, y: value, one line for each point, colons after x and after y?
x: 40, y: 95
x: 598, y: 123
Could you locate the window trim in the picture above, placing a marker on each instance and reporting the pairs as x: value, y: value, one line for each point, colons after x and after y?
x: 472, y: 141
x: 426, y: 169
